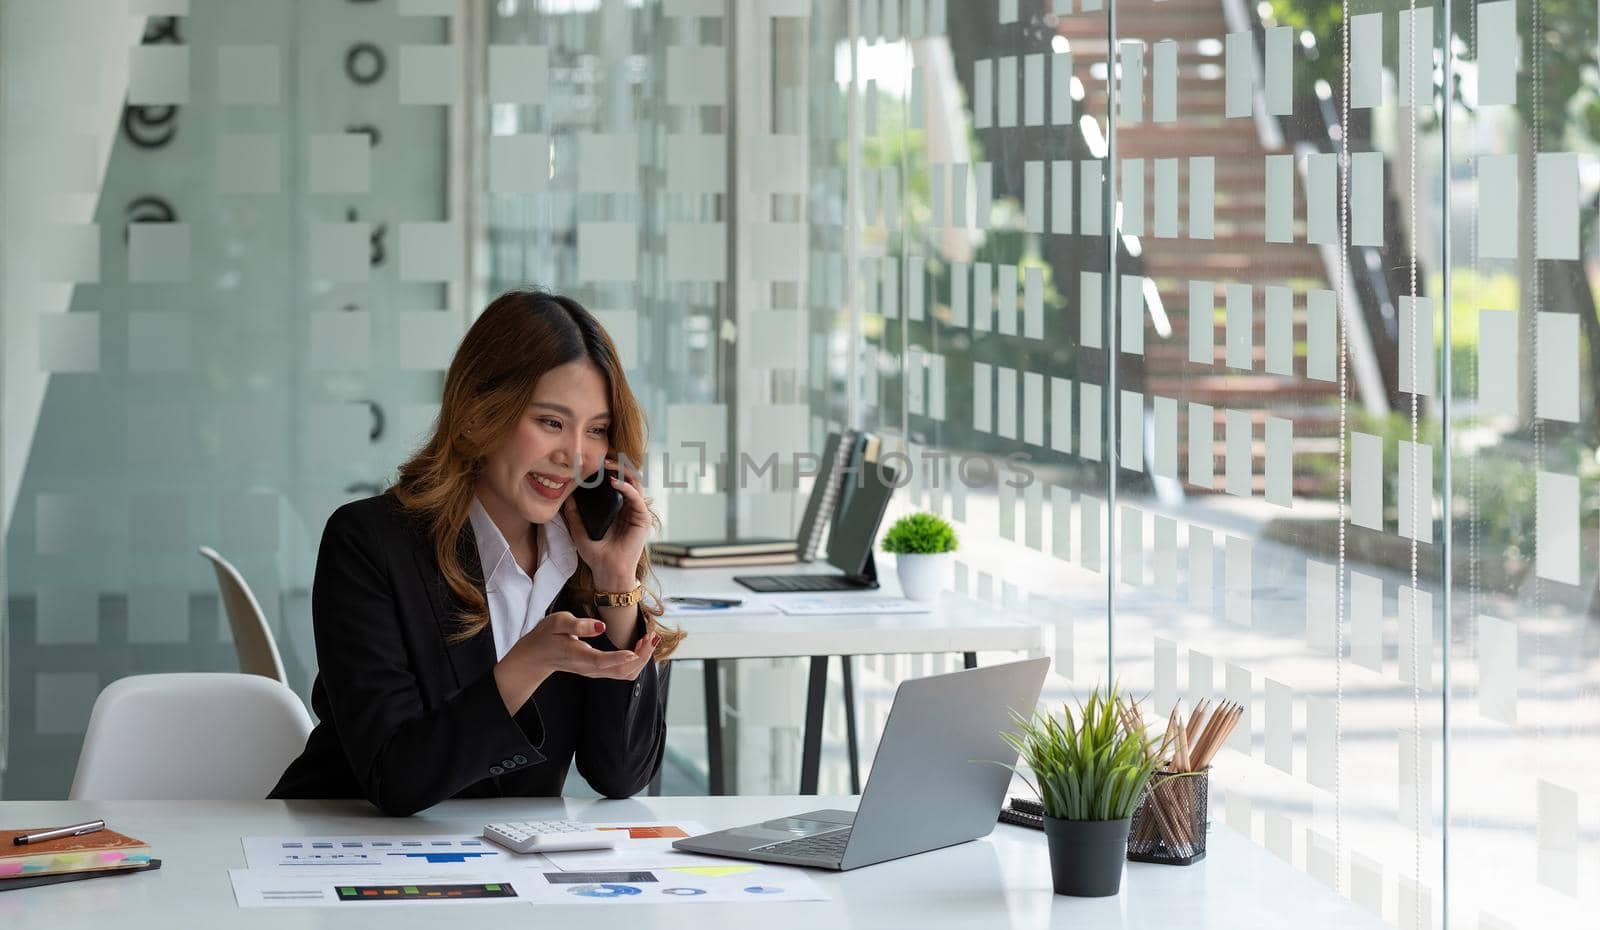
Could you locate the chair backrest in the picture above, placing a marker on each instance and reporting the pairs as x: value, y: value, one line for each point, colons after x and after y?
x: 189, y: 736
x: 252, y: 638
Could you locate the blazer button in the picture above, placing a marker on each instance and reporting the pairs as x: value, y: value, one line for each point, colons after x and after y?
x: 520, y: 759
x: 496, y: 770
x: 636, y: 690
x: 507, y: 763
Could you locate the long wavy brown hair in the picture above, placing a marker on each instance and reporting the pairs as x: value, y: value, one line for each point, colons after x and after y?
x: 519, y: 337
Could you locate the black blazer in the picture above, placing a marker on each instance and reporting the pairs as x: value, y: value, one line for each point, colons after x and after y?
x: 408, y: 719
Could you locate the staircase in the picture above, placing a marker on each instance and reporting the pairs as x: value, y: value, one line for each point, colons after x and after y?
x: 1238, y: 254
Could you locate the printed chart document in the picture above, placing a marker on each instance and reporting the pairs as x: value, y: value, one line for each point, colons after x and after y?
x: 254, y: 888
x: 745, y: 882
x: 363, y: 854
x: 808, y: 605
x: 287, y: 887
x: 341, y: 871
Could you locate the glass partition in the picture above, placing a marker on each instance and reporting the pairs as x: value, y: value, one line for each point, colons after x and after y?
x: 1521, y: 351
x: 1249, y: 347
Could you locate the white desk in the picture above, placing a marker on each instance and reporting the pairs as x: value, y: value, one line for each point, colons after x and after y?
x: 957, y: 624
x: 1000, y: 881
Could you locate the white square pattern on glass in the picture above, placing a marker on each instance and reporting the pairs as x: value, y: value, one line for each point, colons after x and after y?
x: 338, y: 163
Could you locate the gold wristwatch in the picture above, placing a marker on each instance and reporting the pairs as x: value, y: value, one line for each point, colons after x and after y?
x: 622, y: 599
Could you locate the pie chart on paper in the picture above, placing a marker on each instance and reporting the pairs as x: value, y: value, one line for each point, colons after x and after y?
x: 602, y: 891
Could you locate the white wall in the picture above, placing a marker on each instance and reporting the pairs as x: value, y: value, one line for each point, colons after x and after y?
x: 63, y: 76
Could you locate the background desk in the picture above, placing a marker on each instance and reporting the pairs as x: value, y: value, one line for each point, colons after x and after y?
x: 1000, y: 881
x: 957, y: 624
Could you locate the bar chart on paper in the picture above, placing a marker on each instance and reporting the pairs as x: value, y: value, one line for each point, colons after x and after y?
x: 360, y: 853
x: 355, y: 894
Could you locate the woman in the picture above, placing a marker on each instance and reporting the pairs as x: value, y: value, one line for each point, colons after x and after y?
x: 471, y: 638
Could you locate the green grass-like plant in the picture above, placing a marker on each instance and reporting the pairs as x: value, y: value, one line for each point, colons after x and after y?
x: 1088, y: 765
x: 920, y: 534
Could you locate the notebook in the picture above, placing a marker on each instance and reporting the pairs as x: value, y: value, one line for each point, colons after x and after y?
x: 698, y: 548
x: 103, y: 849
x: 34, y: 881
x: 711, y: 561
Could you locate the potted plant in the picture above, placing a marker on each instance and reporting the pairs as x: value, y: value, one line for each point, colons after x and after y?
x: 1089, y: 769
x: 921, y: 544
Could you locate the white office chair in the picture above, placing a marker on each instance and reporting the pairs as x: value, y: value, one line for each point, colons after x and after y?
x: 252, y: 638
x: 205, y: 736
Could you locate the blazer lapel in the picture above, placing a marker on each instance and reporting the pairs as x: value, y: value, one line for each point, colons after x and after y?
x: 471, y: 658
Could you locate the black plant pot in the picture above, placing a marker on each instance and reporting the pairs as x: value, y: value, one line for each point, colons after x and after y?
x: 1086, y: 855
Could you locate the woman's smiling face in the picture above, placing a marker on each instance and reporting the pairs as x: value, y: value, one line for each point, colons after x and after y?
x: 562, y: 436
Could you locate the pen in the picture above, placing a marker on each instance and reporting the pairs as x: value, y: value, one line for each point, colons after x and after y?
x: 77, y: 829
x: 706, y: 601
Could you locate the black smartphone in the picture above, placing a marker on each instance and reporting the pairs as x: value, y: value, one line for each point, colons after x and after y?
x: 598, y: 502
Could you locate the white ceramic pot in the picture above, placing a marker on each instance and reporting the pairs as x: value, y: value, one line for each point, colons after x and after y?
x: 922, y: 576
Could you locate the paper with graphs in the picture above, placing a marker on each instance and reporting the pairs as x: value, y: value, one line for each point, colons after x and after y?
x: 344, y: 871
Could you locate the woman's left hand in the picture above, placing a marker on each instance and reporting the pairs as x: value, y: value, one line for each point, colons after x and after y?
x: 614, y: 559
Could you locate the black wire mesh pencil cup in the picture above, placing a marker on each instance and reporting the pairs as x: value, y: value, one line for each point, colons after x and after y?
x: 1169, y: 825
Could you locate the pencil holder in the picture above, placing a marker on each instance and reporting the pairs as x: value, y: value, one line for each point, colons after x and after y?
x: 1169, y: 826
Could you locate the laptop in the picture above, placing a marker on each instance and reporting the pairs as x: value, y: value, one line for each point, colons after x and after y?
x: 855, y: 527
x: 934, y: 782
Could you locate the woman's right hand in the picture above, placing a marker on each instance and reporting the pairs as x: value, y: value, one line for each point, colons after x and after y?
x: 556, y: 644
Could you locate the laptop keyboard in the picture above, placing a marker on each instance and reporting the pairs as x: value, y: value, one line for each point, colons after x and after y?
x: 767, y: 583
x: 822, y: 846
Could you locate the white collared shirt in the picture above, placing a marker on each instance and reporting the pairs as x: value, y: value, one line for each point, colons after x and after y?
x: 516, y: 602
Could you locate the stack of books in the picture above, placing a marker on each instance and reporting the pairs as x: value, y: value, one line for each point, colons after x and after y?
x: 707, y: 553
x: 70, y: 858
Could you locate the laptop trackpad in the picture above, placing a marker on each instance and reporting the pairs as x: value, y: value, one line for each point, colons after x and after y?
x: 786, y: 828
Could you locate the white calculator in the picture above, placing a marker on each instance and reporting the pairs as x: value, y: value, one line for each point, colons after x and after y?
x: 539, y: 836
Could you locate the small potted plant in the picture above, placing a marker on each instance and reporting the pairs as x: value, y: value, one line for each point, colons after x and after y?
x: 921, y: 544
x: 1090, y: 769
